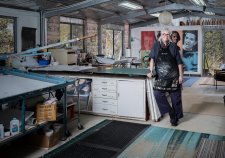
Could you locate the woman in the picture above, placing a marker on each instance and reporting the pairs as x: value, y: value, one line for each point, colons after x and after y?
x: 166, y: 60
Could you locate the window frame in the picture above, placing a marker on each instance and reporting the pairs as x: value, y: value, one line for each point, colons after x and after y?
x: 122, y: 40
x: 72, y: 24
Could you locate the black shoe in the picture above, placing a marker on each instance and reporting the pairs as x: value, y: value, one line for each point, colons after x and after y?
x: 173, y: 118
x: 174, y: 122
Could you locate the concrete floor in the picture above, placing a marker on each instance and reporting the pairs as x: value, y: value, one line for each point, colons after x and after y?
x: 204, y: 111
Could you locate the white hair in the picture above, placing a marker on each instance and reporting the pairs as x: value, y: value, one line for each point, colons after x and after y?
x: 165, y: 30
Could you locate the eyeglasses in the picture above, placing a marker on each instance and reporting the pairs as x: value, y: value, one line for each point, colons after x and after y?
x: 165, y: 34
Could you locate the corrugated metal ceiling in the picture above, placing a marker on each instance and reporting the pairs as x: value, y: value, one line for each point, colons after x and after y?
x: 108, y: 11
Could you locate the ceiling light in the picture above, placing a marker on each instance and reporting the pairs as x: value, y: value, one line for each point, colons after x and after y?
x: 130, y: 5
x: 198, y: 2
x: 165, y: 18
x: 209, y: 13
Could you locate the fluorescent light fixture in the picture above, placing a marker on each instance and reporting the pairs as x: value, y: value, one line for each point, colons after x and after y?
x: 201, y: 3
x: 155, y: 14
x: 198, y: 2
x: 130, y: 5
x: 209, y: 13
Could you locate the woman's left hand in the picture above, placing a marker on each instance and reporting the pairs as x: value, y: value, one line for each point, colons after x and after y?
x: 180, y: 79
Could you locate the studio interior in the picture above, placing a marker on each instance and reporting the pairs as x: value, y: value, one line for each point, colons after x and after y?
x: 112, y: 78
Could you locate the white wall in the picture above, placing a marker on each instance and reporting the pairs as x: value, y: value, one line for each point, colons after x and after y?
x: 24, y: 19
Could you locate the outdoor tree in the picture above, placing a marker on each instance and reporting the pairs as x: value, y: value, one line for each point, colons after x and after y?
x: 6, y: 36
x: 213, y: 50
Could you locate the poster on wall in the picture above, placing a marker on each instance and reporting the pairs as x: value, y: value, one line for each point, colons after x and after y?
x: 190, y: 50
x: 147, y: 40
x: 188, y: 41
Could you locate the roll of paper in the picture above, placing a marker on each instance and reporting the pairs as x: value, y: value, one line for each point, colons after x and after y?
x: 128, y: 53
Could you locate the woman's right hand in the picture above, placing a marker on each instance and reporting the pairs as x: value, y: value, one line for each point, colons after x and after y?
x: 150, y: 75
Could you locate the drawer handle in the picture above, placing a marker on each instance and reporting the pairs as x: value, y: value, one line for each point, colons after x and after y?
x: 104, y: 109
x: 104, y: 88
x: 104, y: 82
x: 105, y: 101
x: 104, y: 95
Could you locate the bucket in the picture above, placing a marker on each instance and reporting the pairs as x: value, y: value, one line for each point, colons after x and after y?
x: 43, y: 62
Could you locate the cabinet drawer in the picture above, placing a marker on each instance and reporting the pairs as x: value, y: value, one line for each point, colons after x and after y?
x: 104, y: 101
x: 101, y: 88
x: 106, y: 95
x: 105, y: 109
x: 106, y: 82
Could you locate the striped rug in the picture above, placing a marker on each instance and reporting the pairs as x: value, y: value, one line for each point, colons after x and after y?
x: 158, y: 142
x: 189, y: 81
x: 211, y: 149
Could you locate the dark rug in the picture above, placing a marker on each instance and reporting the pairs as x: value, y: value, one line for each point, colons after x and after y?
x: 107, y: 139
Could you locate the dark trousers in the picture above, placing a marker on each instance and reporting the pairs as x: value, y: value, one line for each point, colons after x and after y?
x: 165, y: 107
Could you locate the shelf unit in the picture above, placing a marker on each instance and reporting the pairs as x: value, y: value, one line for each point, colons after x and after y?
x: 13, y: 79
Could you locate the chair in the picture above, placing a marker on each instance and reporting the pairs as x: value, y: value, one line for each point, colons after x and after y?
x: 219, y: 75
x: 136, y: 62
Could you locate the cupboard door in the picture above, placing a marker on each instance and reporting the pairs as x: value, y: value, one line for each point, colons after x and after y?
x: 131, y: 98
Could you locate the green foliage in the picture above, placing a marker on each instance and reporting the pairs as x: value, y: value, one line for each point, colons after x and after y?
x: 213, y: 50
x: 6, y: 35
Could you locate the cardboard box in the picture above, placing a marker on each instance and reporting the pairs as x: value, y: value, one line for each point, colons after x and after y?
x: 43, y: 141
x: 46, y: 112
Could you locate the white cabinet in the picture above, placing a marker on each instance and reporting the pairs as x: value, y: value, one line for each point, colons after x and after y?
x: 119, y: 97
x: 104, y: 91
x: 131, y: 98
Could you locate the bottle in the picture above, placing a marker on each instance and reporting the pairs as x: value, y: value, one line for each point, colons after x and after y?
x: 14, y: 126
x: 2, y: 134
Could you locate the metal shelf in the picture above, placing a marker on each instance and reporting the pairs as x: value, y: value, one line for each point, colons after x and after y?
x: 46, y: 84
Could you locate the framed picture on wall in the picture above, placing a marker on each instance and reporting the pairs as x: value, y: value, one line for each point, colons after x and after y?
x: 189, y: 43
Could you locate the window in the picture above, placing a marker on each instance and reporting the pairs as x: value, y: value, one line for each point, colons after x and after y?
x: 117, y: 44
x: 71, y: 28
x: 7, y: 35
x: 112, y: 43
